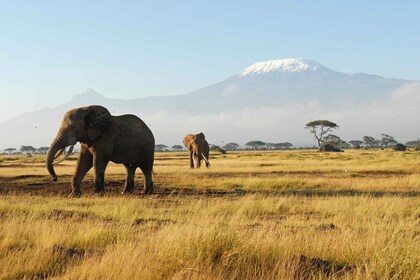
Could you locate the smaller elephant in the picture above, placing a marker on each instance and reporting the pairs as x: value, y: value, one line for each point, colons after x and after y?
x: 199, y: 149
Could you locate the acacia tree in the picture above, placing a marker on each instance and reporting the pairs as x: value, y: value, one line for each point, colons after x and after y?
x: 231, y: 146
x: 10, y: 150
x: 319, y: 128
x: 255, y: 145
x: 336, y: 141
x: 370, y: 142
x: 177, y: 147
x: 160, y: 147
x: 279, y: 146
x: 356, y: 143
x: 42, y: 150
x: 27, y: 149
x: 387, y: 141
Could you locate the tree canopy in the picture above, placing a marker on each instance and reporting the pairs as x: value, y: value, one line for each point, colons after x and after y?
x: 255, y: 145
x: 279, y: 146
x: 231, y: 146
x: 27, y: 149
x: 177, y: 147
x: 160, y: 147
x: 336, y: 141
x: 319, y: 128
x: 356, y: 143
x: 10, y: 150
x: 42, y: 150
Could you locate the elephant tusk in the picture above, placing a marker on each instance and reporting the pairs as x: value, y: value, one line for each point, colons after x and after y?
x: 205, y: 159
x: 59, y: 153
x: 66, y: 156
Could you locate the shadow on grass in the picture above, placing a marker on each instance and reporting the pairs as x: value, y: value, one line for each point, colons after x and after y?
x: 303, y: 193
x: 314, y: 267
x: 43, y: 186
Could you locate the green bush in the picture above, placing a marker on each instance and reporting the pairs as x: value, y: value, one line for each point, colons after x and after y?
x: 400, y: 147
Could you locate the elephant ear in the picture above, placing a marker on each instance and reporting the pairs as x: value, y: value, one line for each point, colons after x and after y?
x: 97, y: 120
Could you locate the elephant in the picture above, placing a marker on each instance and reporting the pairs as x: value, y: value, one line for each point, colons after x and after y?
x: 198, y: 147
x: 122, y: 139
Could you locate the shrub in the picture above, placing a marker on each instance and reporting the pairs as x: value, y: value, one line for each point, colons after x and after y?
x: 400, y: 147
x: 329, y: 148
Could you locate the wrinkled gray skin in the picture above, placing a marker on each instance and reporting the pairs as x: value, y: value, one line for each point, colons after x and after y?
x: 122, y: 139
x: 198, y: 147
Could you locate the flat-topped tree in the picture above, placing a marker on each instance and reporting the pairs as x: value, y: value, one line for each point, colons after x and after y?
x: 177, y: 147
x: 42, y: 150
x: 27, y: 149
x: 356, y: 143
x: 255, y: 145
x: 319, y: 128
x: 160, y: 147
x: 10, y: 150
x: 231, y: 146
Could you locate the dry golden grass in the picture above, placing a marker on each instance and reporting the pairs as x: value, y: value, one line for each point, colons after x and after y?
x: 253, y: 215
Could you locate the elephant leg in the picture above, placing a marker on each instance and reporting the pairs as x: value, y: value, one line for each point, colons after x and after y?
x: 99, y: 164
x: 84, y: 164
x: 148, y: 181
x: 199, y: 157
x: 129, y: 181
x: 191, y: 160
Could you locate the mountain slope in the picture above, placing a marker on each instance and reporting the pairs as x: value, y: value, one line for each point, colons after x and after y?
x: 275, y: 83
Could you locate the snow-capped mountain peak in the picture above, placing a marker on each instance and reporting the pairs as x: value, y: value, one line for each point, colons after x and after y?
x: 296, y: 65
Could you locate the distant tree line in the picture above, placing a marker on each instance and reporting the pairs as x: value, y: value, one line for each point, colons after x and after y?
x: 27, y: 150
x: 251, y: 145
x: 318, y: 128
x: 321, y: 130
x: 368, y: 142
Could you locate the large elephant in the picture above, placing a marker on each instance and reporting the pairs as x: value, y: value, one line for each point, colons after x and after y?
x: 122, y: 139
x: 198, y: 147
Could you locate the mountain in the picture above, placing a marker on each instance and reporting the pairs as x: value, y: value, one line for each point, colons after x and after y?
x: 274, y: 83
x: 252, y: 102
x: 278, y: 82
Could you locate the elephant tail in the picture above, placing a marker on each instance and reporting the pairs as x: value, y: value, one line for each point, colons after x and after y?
x: 205, y: 159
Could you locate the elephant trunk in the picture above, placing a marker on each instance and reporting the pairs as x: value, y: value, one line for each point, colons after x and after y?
x: 58, y: 144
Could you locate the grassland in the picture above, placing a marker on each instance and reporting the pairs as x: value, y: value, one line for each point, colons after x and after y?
x: 252, y: 215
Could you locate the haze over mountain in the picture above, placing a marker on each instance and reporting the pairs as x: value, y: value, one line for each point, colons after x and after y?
x: 269, y: 101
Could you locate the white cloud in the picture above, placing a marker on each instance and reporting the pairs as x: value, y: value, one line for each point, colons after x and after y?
x: 397, y: 116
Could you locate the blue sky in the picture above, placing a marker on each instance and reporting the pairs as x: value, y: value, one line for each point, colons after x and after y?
x: 52, y: 50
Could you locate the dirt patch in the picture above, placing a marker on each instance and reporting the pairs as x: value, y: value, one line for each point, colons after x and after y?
x: 42, y: 185
x: 310, y: 267
x: 69, y: 254
x: 158, y: 222
x: 326, y: 227
x: 61, y: 215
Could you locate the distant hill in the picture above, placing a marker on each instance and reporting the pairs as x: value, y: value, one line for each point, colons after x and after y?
x: 267, y: 92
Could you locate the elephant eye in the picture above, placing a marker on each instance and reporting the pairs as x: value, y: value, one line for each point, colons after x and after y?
x: 72, y: 120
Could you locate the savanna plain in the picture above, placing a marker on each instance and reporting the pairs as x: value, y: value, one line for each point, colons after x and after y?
x: 252, y: 215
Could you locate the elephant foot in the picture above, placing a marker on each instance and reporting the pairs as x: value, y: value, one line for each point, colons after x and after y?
x: 75, y: 194
x: 149, y: 190
x: 128, y: 191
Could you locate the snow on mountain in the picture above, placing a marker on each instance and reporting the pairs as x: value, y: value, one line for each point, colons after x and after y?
x: 281, y: 65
